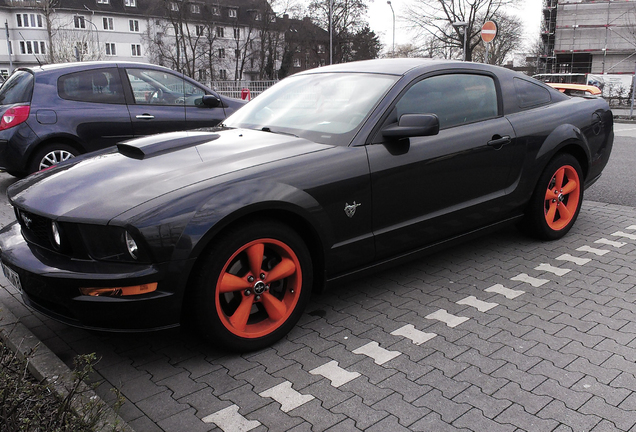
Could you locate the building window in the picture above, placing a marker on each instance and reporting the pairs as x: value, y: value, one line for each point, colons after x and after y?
x: 237, y: 53
x: 203, y: 74
x: 195, y: 8
x: 135, y: 50
x: 219, y: 32
x: 223, y: 74
x: 272, y: 17
x: 321, y: 49
x: 79, y: 22
x: 216, y: 10
x: 232, y: 13
x: 4, y: 73
x: 108, y: 23
x: 200, y: 30
x: 29, y: 20
x: 32, y: 47
x: 81, y: 48
x: 130, y: 3
x: 257, y: 16
x: 174, y: 7
x: 296, y: 62
x: 237, y: 33
x: 133, y: 25
x: 221, y: 52
x: 103, y: 1
x: 110, y: 49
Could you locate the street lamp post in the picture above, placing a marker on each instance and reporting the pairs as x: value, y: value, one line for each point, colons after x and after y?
x: 330, y: 32
x: 393, y: 12
x: 460, y: 24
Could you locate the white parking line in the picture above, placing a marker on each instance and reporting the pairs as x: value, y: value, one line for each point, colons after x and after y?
x: 573, y: 259
x: 506, y: 292
x: 530, y: 280
x: 229, y: 419
x: 334, y: 373
x: 551, y: 269
x: 286, y: 396
x: 625, y: 235
x: 416, y: 336
x: 377, y: 353
x: 449, y: 319
x: 610, y: 242
x: 599, y: 252
x: 480, y: 305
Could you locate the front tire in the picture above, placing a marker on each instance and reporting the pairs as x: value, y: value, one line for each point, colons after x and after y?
x: 252, y: 286
x: 556, y: 201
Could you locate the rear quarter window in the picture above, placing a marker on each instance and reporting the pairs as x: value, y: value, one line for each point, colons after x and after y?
x: 17, y: 89
x: 530, y: 94
x: 95, y: 85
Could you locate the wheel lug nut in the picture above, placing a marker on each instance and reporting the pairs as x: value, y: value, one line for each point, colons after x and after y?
x: 250, y: 279
x: 262, y: 275
x: 258, y: 298
x: 248, y: 292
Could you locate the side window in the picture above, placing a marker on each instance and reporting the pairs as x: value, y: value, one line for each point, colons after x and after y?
x: 193, y: 95
x: 97, y: 85
x: 153, y: 87
x: 530, y: 94
x: 455, y: 98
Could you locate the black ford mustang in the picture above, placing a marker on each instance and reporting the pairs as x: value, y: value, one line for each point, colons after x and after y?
x: 330, y: 173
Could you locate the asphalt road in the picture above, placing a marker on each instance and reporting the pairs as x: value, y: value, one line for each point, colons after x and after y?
x: 617, y: 185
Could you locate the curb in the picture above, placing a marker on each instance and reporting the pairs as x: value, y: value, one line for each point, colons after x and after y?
x: 45, y: 366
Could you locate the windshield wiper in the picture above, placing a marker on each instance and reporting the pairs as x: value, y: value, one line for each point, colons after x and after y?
x: 267, y: 129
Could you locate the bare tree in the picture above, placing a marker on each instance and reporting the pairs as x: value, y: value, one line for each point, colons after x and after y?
x: 436, y: 18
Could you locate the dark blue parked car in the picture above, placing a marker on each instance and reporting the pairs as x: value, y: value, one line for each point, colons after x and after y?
x: 54, y: 112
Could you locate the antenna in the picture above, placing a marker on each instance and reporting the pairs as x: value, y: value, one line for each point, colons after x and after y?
x: 36, y: 57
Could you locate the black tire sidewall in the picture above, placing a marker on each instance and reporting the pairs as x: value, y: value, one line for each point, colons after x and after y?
x: 535, y: 215
x: 212, y: 263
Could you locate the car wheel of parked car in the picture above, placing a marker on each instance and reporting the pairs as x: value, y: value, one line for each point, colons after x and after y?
x: 557, y: 198
x: 253, y: 285
x: 51, y: 154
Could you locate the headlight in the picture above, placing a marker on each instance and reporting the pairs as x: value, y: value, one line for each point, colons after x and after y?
x: 111, y: 243
x: 56, y: 237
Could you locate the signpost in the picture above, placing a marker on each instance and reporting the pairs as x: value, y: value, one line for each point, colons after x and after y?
x: 488, y: 34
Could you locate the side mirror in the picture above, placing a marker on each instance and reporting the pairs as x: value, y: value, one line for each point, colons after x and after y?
x: 412, y: 125
x: 211, y: 101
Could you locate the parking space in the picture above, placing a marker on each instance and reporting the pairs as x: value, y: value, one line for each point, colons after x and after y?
x: 503, y: 333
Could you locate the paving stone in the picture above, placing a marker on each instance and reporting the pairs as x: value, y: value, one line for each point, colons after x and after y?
x: 145, y: 424
x: 408, y: 389
x: 515, y: 329
x: 624, y: 420
x: 604, y: 373
x: 489, y: 406
x: 619, y: 363
x: 288, y: 398
x: 361, y: 414
x: 525, y: 380
x: 161, y: 406
x: 140, y: 388
x: 605, y: 426
x: 181, y: 384
x: 519, y: 344
x: 319, y: 417
x: 433, y: 422
x: 531, y: 402
x: 485, y: 364
x: 274, y: 419
x: 296, y: 374
x: 612, y: 395
x: 448, y: 349
x: 602, y: 331
x: 372, y: 370
x: 221, y: 381
x: 446, y: 408
x: 328, y: 395
x: 389, y: 423
x: 334, y: 373
x: 269, y: 358
x: 437, y: 380
x: 475, y: 420
x: 517, y: 416
x: 376, y: 352
x: 559, y: 359
x: 487, y: 383
x: 609, y: 347
x: 407, y: 413
x: 439, y: 361
x: 369, y: 392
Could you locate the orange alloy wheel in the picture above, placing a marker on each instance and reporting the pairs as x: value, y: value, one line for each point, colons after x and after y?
x: 562, y: 198
x: 258, y: 288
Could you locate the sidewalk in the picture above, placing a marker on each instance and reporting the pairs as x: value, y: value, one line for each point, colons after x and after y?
x: 501, y: 334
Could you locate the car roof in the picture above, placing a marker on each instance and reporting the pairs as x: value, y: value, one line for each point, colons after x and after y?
x: 87, y: 65
x: 400, y: 66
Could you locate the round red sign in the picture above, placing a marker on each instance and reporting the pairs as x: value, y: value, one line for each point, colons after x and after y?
x: 488, y: 31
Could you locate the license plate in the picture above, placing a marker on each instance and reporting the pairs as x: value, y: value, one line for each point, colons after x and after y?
x: 12, y: 277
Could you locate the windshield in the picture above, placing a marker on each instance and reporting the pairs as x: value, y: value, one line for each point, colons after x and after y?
x: 17, y: 89
x: 326, y: 107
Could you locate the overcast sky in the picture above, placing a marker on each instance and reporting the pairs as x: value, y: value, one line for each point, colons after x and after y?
x: 381, y: 20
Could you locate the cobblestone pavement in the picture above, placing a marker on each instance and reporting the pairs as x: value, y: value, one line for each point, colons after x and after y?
x: 500, y: 334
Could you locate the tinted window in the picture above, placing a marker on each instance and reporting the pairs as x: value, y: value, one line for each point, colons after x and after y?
x: 530, y: 94
x: 96, y: 85
x: 17, y: 89
x: 456, y: 99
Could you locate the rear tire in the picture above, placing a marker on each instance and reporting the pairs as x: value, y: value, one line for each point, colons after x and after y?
x: 252, y: 286
x: 557, y: 198
x: 51, y: 155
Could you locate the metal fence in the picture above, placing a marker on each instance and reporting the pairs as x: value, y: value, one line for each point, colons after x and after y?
x: 236, y: 89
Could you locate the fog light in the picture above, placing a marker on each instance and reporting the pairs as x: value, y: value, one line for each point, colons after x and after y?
x: 55, y: 235
x: 119, y: 291
x: 133, y: 250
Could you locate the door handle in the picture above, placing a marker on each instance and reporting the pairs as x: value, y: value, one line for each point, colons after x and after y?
x: 145, y: 117
x: 499, y: 141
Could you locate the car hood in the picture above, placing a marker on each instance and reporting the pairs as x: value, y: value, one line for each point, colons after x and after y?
x: 96, y: 187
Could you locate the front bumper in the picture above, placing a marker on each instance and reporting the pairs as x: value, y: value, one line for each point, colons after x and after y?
x: 50, y: 283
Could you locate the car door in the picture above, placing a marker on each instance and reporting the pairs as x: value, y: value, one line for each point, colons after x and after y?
x: 158, y: 101
x: 433, y: 187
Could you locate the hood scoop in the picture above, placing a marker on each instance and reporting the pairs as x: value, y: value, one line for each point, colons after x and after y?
x: 155, y: 145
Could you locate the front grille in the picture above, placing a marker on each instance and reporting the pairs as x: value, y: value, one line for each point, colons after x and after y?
x: 35, y: 228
